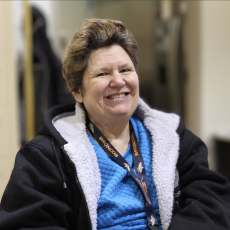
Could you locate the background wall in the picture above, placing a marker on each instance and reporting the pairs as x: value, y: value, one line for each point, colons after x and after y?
x: 9, y: 133
x: 208, y: 52
x: 215, y: 72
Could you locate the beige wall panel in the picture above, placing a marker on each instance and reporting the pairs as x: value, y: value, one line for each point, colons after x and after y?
x: 208, y: 58
x: 9, y: 136
x: 215, y: 96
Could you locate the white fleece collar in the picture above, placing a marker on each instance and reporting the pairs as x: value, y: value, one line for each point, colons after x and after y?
x: 162, y: 128
x: 165, y: 141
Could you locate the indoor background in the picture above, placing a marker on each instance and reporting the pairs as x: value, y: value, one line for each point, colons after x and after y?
x: 184, y: 65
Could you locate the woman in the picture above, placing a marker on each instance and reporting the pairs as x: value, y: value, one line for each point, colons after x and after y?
x: 111, y: 162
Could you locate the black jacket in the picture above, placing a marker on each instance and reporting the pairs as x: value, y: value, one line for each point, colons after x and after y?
x: 45, y: 191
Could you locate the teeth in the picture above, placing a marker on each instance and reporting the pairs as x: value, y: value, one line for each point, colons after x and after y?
x: 116, y: 96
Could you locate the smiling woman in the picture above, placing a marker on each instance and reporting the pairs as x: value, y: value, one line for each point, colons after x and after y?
x: 110, y: 93
x: 110, y: 85
x: 121, y: 164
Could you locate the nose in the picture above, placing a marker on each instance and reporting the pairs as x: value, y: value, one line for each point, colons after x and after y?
x: 117, y: 80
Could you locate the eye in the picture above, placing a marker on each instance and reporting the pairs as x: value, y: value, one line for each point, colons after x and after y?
x: 124, y: 70
x: 101, y: 74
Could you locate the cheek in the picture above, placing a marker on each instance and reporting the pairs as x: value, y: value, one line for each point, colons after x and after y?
x: 134, y: 83
x: 96, y: 90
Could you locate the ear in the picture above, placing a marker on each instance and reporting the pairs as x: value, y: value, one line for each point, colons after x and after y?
x: 78, y: 96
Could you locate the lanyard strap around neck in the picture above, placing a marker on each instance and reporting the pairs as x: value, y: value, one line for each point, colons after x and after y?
x: 140, y: 175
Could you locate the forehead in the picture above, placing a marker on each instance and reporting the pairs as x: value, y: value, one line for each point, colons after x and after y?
x: 112, y: 55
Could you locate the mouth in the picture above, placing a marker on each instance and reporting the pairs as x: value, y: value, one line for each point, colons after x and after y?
x: 117, y: 95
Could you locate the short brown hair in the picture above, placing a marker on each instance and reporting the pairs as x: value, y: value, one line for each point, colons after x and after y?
x: 92, y: 35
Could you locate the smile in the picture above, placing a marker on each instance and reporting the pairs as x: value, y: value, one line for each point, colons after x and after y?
x: 117, y: 96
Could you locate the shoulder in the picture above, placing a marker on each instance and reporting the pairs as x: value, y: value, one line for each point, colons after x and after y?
x: 35, y: 190
x: 36, y: 166
x: 191, y: 147
x: 38, y: 153
x: 39, y: 145
x: 40, y: 141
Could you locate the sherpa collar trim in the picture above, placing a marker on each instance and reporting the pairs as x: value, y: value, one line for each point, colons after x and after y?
x: 162, y: 128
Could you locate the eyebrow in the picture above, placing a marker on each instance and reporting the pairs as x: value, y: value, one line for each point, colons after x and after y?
x: 106, y: 68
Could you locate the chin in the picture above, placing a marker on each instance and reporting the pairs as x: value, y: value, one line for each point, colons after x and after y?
x: 122, y: 113
x: 125, y: 111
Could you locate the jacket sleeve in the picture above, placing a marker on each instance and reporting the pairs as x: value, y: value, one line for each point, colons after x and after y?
x: 34, y: 197
x: 205, y: 194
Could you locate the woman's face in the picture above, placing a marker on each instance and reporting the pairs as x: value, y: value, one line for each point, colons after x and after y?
x: 110, y: 87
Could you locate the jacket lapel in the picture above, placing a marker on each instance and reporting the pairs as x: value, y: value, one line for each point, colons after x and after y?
x: 165, y: 140
x: 82, y: 154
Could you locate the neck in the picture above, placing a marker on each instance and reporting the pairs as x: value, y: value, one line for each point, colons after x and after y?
x: 117, y: 132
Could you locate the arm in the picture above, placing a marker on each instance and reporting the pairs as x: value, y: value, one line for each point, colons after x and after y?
x: 34, y: 197
x: 205, y: 195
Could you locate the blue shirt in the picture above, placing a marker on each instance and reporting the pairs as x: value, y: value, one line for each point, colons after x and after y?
x: 121, y: 205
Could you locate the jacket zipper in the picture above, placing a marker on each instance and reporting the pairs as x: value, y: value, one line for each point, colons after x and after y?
x: 78, y: 183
